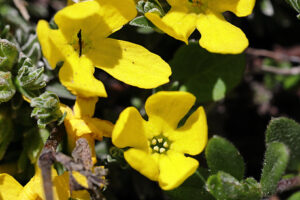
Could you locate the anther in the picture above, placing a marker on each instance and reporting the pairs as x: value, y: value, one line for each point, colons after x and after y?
x: 161, y: 150
x: 154, y: 141
x: 160, y: 140
x: 166, y: 144
x: 156, y: 148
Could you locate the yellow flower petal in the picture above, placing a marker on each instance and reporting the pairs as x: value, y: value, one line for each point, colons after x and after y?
x: 81, y: 179
x: 166, y: 109
x: 129, y: 130
x: 192, y: 137
x: 130, y: 63
x: 64, y: 108
x: 219, y: 36
x: 9, y: 187
x: 106, y: 17
x: 79, y: 127
x: 175, y: 168
x: 53, y: 43
x: 77, y: 74
x: 85, y: 106
x: 33, y: 190
x: 240, y: 7
x: 178, y: 22
x: 143, y: 162
x: 99, y: 128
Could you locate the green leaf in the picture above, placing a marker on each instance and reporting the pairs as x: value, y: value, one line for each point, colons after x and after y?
x: 192, y: 189
x: 295, y: 196
x: 8, y: 55
x: 275, y: 163
x: 221, y: 155
x: 46, y: 108
x: 142, y: 21
x: 7, y: 88
x: 209, y: 76
x: 6, y: 133
x: 29, y: 76
x: 60, y: 91
x: 286, y: 131
x: 33, y: 143
x: 223, y: 186
x: 295, y: 4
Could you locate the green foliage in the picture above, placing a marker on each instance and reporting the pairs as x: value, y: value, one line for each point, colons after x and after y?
x: 286, y: 131
x: 192, y: 189
x: 295, y: 4
x: 8, y: 55
x: 273, y: 80
x: 29, y: 76
x: 6, y: 133
x: 33, y: 143
x: 223, y: 186
x: 7, y: 88
x: 46, y: 108
x: 144, y: 6
x: 141, y: 21
x: 221, y: 155
x: 275, y: 163
x: 60, y: 91
x: 295, y: 196
x: 208, y: 76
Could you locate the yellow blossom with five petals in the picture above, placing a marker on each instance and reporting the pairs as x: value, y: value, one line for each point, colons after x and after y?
x: 217, y: 35
x: 157, y: 146
x: 81, y: 43
x: 79, y: 122
x: 33, y: 190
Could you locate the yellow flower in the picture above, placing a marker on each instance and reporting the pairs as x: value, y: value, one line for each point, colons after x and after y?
x: 81, y: 42
x: 158, y: 146
x: 33, y: 190
x: 217, y: 35
x: 80, y: 123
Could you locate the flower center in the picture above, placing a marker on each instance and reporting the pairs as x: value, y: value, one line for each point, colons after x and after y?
x: 160, y: 144
x: 80, y: 44
x: 197, y: 6
x: 195, y: 3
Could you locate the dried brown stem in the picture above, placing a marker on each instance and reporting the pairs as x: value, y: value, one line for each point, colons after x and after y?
x: 47, y: 158
x: 280, y: 71
x: 288, y: 184
x: 272, y: 54
x: 20, y: 4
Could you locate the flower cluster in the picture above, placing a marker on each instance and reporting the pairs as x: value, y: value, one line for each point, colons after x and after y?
x: 160, y: 147
x: 157, y: 147
x: 217, y: 35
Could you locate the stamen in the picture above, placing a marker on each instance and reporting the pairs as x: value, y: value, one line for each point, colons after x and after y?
x: 154, y: 141
x: 80, y: 42
x: 160, y: 140
x: 156, y: 148
x: 166, y: 144
x: 161, y: 150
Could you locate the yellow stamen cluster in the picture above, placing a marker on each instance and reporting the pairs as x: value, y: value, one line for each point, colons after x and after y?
x: 159, y: 144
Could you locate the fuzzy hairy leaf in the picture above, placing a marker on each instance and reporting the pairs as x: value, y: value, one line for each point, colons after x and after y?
x: 223, y: 186
x: 275, y: 163
x: 46, y: 109
x: 29, y: 76
x: 8, y: 55
x: 221, y: 155
x: 7, y: 88
x: 286, y: 131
